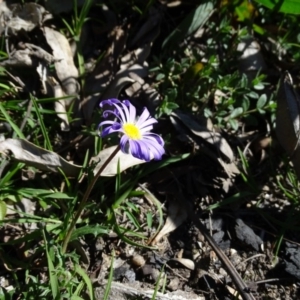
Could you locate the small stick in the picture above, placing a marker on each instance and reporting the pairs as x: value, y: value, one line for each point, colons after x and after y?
x: 236, y: 278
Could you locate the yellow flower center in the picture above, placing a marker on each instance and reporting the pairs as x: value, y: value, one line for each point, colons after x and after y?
x: 132, y: 131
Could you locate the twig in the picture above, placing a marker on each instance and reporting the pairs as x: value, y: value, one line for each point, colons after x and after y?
x: 236, y: 278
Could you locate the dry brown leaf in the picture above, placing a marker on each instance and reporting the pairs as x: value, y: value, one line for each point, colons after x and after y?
x: 288, y: 120
x: 26, y: 16
x: 60, y: 106
x: 176, y: 216
x: 188, y: 263
x: 234, y: 293
x: 143, y: 90
x: 122, y: 78
x: 66, y: 70
x: 211, y: 137
x: 125, y: 160
x: 29, y: 57
x: 32, y: 155
x: 137, y: 56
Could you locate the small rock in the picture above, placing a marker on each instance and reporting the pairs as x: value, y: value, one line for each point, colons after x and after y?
x: 173, y: 284
x: 138, y: 261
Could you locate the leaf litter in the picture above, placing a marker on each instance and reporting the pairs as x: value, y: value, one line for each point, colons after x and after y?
x: 203, y: 179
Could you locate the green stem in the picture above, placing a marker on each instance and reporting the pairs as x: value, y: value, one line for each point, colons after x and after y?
x: 85, y: 198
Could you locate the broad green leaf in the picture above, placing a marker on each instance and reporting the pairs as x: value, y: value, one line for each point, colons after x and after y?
x: 236, y: 112
x: 3, y: 210
x: 194, y: 20
x: 261, y: 101
x: 284, y: 6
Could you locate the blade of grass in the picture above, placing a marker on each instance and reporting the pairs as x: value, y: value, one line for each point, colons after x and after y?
x: 110, y: 277
x: 157, y: 284
x: 43, y: 128
x: 52, y: 273
x: 86, y: 279
x: 16, y: 129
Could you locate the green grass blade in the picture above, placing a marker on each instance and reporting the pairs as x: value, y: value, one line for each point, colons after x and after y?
x: 157, y: 284
x: 52, y: 272
x: 86, y: 279
x: 16, y: 129
x: 110, y: 278
x: 48, y: 144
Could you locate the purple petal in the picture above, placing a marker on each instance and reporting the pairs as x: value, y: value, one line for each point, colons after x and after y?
x: 114, y: 112
x: 125, y: 112
x: 109, y: 102
x: 143, y: 117
x: 154, y: 136
x: 157, y: 150
x: 121, y: 108
x: 132, y: 114
x: 108, y: 130
x: 145, y: 130
x: 113, y: 127
x: 123, y: 143
x: 139, y: 150
x: 148, y: 123
x: 126, y: 102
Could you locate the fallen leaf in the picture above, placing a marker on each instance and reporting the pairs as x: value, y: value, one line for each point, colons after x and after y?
x: 137, y: 56
x: 65, y: 68
x: 188, y: 263
x: 212, y: 137
x: 26, y: 16
x: 125, y: 160
x: 288, y: 120
x: 122, y: 78
x: 234, y: 293
x: 32, y: 155
x: 60, y: 105
x: 176, y: 216
x: 31, y: 56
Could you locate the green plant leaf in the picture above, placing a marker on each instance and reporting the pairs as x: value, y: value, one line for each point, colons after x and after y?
x: 3, y: 210
x: 236, y: 112
x: 86, y: 279
x: 52, y: 272
x: 195, y: 20
x: 16, y: 129
x: 110, y: 278
x: 284, y: 6
x: 95, y: 230
x: 261, y: 101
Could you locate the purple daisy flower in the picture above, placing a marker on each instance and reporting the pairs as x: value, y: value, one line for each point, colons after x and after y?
x: 136, y: 136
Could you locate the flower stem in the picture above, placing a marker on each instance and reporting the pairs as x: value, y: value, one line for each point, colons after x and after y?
x: 85, y: 198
